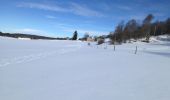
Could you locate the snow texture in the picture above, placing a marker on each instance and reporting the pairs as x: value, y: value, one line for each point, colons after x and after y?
x: 72, y: 70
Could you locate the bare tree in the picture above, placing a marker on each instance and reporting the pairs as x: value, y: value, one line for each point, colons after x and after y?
x: 146, y: 28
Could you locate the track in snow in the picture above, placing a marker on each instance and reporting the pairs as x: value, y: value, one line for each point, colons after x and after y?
x: 33, y: 57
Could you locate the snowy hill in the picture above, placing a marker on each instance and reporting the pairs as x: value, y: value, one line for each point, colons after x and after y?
x: 72, y: 70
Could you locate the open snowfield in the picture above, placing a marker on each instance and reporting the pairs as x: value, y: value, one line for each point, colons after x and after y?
x: 72, y: 70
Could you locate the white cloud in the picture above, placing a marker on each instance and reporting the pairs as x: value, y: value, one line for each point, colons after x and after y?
x: 92, y: 32
x: 33, y: 32
x: 30, y: 31
x: 123, y: 7
x: 84, y: 11
x: 82, y: 31
x: 159, y: 14
x: 42, y: 6
x: 50, y: 17
x: 67, y: 28
x: 138, y: 17
x: 74, y: 8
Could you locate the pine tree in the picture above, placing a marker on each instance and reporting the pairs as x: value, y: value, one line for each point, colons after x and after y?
x: 75, y: 35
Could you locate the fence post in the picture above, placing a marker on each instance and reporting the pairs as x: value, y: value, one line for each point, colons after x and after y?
x: 136, y: 50
x: 114, y: 47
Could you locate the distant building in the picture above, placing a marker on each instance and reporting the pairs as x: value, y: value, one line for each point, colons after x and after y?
x: 90, y: 39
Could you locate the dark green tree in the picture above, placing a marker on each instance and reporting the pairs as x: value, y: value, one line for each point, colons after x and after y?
x: 75, y: 35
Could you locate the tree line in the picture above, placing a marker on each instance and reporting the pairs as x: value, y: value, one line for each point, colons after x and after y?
x: 34, y: 37
x: 123, y: 32
x: 134, y: 30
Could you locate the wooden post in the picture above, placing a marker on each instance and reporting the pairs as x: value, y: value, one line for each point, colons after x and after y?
x: 88, y: 44
x: 114, y: 47
x: 114, y: 43
x: 105, y: 47
x: 155, y: 31
x: 136, y: 50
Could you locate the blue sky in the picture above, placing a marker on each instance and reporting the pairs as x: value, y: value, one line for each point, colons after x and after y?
x: 60, y: 18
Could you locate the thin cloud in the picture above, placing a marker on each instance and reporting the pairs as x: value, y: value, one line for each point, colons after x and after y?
x: 123, y: 7
x: 84, y: 11
x: 92, y: 32
x: 50, y: 17
x: 73, y: 8
x: 138, y: 17
x: 65, y: 27
x: 42, y: 7
x: 83, y: 31
x: 33, y: 32
x: 29, y: 31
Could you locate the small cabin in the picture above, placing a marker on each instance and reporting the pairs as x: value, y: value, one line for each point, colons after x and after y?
x: 90, y: 39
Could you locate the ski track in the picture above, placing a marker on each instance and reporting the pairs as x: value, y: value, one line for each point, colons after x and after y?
x: 64, y: 50
x: 33, y: 57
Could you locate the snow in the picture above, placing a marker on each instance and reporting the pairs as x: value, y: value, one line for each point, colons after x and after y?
x: 20, y: 38
x: 72, y: 70
x: 164, y: 38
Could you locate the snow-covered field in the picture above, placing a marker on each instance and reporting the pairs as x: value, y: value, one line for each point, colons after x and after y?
x: 72, y: 70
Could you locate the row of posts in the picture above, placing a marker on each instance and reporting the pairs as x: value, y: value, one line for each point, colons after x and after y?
x: 136, y: 48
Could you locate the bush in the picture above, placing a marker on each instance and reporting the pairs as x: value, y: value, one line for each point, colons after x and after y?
x: 100, y: 41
